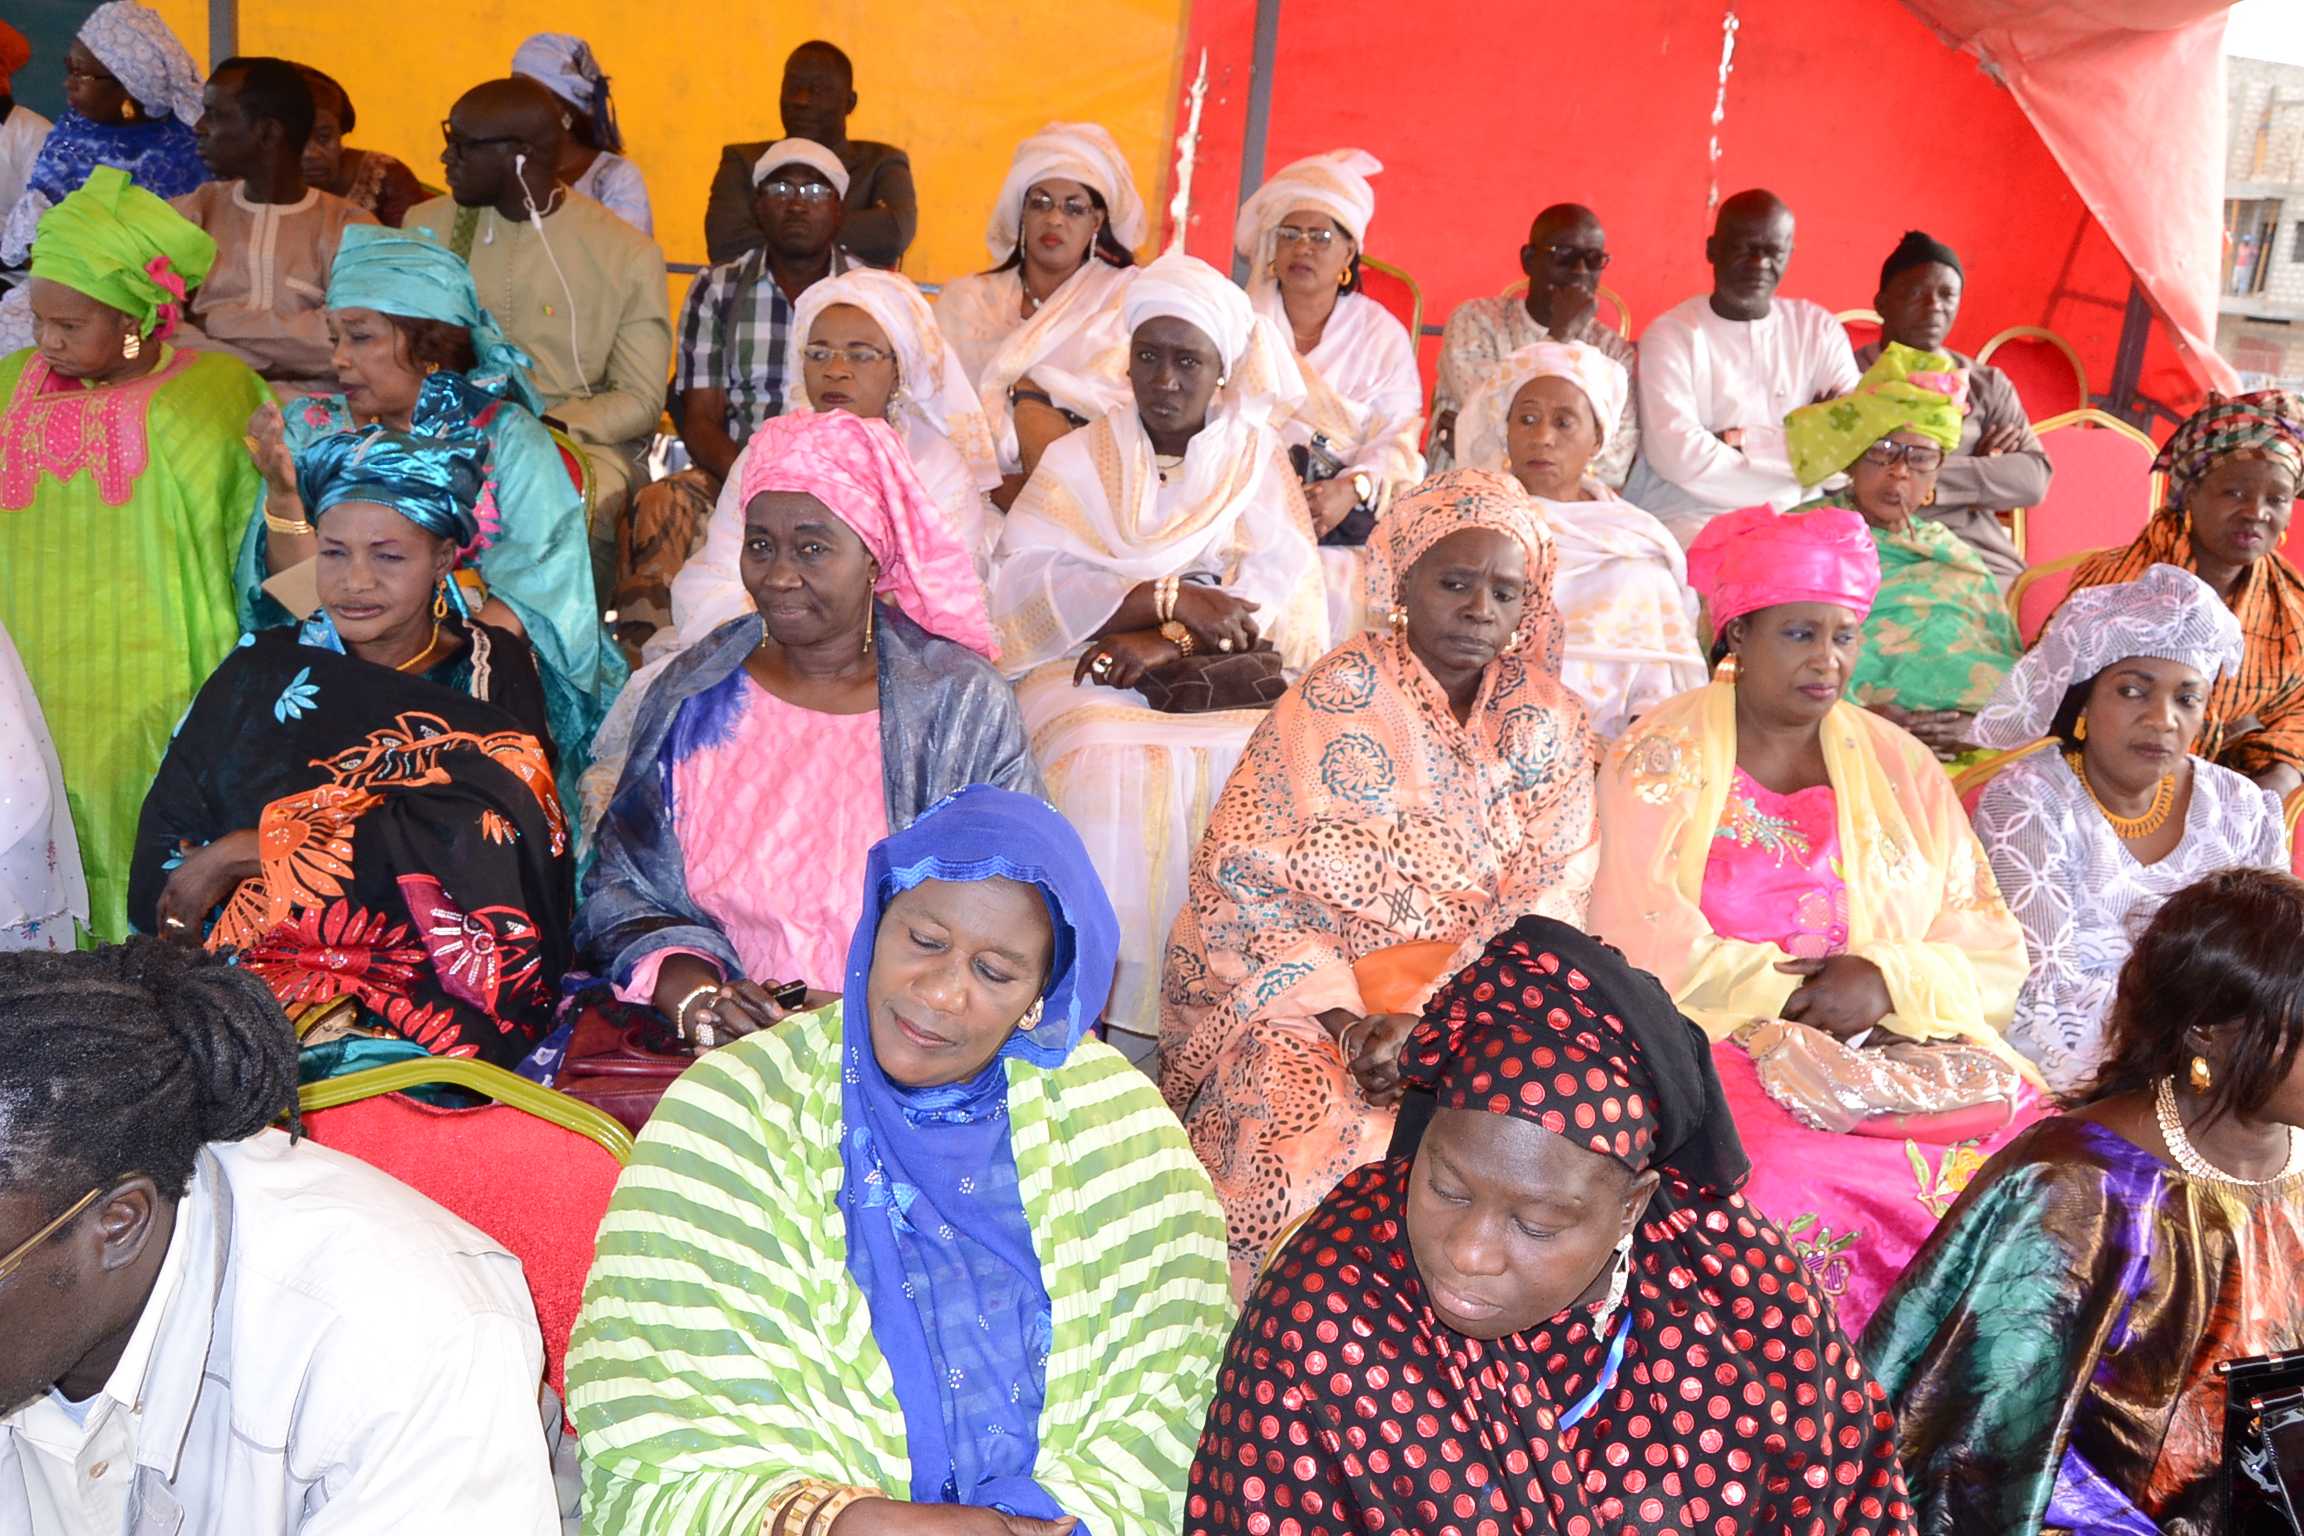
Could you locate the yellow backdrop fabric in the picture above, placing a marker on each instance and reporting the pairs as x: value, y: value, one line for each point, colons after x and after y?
x: 956, y: 85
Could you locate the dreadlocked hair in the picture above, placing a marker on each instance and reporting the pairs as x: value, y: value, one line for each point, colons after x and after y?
x: 127, y: 1059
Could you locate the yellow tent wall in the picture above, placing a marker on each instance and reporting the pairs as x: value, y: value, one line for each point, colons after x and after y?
x: 956, y: 84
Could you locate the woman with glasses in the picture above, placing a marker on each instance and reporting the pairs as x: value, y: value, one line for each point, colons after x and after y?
x: 1354, y: 442
x: 1939, y: 638
x: 1040, y: 334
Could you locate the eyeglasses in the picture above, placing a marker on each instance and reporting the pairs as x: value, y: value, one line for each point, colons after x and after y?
x: 1074, y: 207
x: 1577, y: 256
x: 1923, y: 457
x: 1318, y: 239
x: 461, y: 144
x: 859, y: 355
x: 799, y: 191
x: 75, y: 72
x: 24, y: 1250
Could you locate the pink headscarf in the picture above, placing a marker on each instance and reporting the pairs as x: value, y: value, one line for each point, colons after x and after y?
x: 1756, y: 558
x: 860, y: 469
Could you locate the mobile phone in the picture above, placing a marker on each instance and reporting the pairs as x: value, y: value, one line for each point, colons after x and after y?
x: 790, y: 995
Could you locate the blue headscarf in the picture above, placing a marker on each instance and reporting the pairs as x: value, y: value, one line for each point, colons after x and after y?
x: 937, y: 1235
x: 434, y: 482
x: 409, y: 272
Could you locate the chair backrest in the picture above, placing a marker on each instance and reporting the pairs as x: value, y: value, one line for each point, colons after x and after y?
x: 579, y: 468
x: 2103, y: 491
x: 2040, y: 590
x: 2291, y: 809
x: 1609, y: 298
x: 1969, y: 783
x: 538, y: 1187
x: 1393, y: 288
x: 1862, y: 326
x: 2049, y: 376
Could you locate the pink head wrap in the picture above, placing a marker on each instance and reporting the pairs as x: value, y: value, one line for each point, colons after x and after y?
x: 860, y: 470
x: 1756, y: 558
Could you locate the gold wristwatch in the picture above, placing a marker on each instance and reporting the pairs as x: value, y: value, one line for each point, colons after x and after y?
x: 1177, y: 635
x: 1362, y: 487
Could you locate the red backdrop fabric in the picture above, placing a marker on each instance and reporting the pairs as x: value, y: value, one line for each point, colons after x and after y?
x: 1483, y: 111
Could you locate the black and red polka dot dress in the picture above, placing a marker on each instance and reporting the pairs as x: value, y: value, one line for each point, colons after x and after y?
x: 1733, y: 1405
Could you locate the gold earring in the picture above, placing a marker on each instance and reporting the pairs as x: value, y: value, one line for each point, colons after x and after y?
x: 132, y: 345
x: 440, y: 602
x: 1726, y: 671
x: 2200, y: 1076
x: 869, y: 605
x: 1398, y: 619
x: 128, y: 110
x: 1031, y: 1019
x: 1344, y: 278
x: 1512, y: 645
x: 2080, y: 728
x: 1274, y: 269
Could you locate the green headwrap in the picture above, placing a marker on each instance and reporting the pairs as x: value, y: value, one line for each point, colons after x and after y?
x: 1905, y: 390
x: 120, y: 245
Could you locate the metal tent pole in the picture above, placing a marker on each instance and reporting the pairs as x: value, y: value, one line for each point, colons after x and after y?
x: 1259, y: 112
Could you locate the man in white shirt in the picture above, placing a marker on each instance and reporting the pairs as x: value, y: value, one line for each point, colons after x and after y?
x: 1719, y: 372
x: 211, y: 1330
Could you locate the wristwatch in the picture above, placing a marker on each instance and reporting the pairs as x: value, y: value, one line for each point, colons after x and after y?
x: 1177, y: 635
x: 1362, y: 487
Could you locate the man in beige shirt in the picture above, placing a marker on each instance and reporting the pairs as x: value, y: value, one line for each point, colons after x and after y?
x: 266, y: 301
x: 574, y: 286
x: 1565, y: 252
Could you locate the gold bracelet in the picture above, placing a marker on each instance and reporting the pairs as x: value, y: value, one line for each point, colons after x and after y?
x: 680, y: 1009
x: 300, y: 526
x: 1164, y: 599
x: 809, y: 1507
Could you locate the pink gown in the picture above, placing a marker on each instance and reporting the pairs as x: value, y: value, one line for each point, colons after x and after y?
x: 1855, y: 1207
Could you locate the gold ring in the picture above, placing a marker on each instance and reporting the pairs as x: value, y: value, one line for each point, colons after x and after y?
x: 1102, y: 664
x: 1224, y: 644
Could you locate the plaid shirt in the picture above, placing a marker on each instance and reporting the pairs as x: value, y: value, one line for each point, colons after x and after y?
x: 734, y: 334
x: 2269, y: 603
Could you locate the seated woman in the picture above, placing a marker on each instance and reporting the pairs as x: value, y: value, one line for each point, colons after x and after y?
x: 1939, y: 638
x: 2052, y: 1352
x: 1169, y: 528
x: 123, y: 491
x: 2234, y: 471
x: 591, y: 150
x: 994, y: 1275
x: 1774, y: 853
x: 415, y: 352
x: 1542, y: 1254
x: 767, y: 758
x: 1363, y: 412
x: 1540, y: 416
x: 368, y: 796
x: 866, y: 343
x: 366, y: 178
x: 1414, y: 794
x: 1040, y: 334
x: 2088, y: 839
x: 131, y: 96
x: 43, y: 893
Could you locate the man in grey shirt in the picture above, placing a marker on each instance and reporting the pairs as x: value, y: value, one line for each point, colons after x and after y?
x: 1999, y: 464
x: 819, y: 93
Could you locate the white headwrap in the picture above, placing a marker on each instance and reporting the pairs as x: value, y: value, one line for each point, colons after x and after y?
x: 801, y: 152
x: 1482, y: 426
x: 930, y: 383
x: 151, y: 65
x: 2167, y: 612
x: 1335, y: 183
x: 563, y: 64
x: 1193, y: 291
x: 1082, y: 152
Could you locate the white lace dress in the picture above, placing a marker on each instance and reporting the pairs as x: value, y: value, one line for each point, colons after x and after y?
x: 2081, y: 896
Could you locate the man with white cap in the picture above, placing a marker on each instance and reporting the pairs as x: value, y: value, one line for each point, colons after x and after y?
x: 819, y: 93
x: 729, y: 370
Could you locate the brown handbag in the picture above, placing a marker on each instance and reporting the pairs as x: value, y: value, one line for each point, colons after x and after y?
x: 1208, y: 681
x: 620, y: 1060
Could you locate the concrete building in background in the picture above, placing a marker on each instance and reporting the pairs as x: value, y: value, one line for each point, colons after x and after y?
x: 2260, y: 320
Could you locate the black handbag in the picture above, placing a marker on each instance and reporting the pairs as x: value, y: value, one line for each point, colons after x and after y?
x: 2264, y: 1445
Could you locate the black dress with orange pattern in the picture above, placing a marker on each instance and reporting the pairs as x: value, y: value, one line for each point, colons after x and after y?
x: 1721, y: 1399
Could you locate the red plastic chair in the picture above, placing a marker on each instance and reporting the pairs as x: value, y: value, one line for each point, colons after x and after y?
x: 2100, y: 497
x: 1862, y: 326
x: 2049, y: 377
x: 533, y: 1170
x: 1393, y: 288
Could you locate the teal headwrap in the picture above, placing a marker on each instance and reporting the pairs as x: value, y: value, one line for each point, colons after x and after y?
x: 434, y: 482
x: 409, y: 272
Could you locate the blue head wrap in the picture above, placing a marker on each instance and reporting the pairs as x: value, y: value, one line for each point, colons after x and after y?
x: 937, y: 1236
x: 434, y: 482
x: 409, y: 272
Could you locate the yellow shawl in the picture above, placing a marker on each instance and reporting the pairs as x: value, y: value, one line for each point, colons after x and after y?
x: 1922, y: 904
